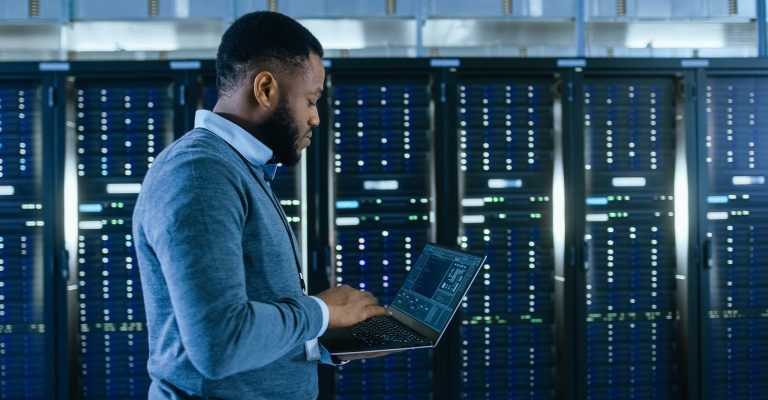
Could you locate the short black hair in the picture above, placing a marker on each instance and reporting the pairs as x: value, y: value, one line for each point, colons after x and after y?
x: 259, y: 38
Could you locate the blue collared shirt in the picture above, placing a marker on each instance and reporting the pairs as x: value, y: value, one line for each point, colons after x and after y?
x: 252, y: 149
x: 258, y: 154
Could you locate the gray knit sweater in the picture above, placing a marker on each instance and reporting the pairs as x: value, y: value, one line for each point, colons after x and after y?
x: 225, y: 312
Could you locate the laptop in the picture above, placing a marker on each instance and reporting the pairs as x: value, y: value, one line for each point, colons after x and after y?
x: 421, y: 309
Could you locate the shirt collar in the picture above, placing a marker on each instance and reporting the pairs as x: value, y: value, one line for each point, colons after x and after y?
x: 256, y: 152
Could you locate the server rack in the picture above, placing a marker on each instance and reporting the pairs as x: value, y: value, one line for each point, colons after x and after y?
x: 635, y: 282
x: 507, y: 127
x: 381, y: 195
x: 119, y: 123
x: 27, y: 324
x: 734, y: 219
x: 726, y: 218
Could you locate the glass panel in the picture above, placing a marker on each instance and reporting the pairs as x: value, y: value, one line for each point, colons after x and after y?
x: 506, y: 142
x: 737, y: 227
x: 672, y: 39
x: 629, y: 128
x: 22, y: 320
x: 120, y: 127
x: 382, y: 133
x: 499, y: 38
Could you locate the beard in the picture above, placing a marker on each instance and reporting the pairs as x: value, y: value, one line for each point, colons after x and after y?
x: 280, y: 133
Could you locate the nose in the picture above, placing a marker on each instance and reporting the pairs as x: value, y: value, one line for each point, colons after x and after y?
x: 314, y: 118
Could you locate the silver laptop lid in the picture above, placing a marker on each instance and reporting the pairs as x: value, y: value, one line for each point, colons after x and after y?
x: 433, y: 290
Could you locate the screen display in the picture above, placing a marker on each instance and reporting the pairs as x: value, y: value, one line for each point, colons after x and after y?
x: 436, y: 285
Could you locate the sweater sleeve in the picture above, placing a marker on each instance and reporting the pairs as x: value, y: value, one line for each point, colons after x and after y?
x: 195, y: 214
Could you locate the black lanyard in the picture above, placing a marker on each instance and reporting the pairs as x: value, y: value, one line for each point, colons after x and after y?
x: 268, y: 190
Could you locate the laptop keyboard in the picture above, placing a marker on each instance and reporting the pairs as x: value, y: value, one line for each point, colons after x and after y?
x: 381, y: 330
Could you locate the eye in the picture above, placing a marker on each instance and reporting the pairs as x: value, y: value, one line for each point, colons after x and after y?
x: 310, y: 103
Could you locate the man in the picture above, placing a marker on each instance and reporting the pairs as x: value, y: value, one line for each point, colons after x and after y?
x: 226, y: 312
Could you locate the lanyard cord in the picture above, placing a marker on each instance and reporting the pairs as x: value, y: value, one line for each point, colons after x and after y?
x: 268, y: 190
x: 288, y: 229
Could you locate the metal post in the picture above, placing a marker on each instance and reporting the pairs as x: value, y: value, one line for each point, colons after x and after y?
x: 65, y: 17
x: 762, y: 46
x: 420, y: 20
x: 581, y: 28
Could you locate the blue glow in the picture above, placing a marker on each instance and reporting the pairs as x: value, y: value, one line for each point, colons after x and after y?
x: 347, y: 204
x: 597, y: 201
x: 717, y: 199
x: 91, y: 208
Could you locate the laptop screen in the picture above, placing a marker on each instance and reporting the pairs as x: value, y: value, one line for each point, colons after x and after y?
x: 436, y: 285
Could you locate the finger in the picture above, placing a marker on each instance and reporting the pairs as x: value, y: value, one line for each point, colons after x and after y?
x: 371, y: 301
x: 372, y: 311
x: 367, y: 300
x: 367, y: 295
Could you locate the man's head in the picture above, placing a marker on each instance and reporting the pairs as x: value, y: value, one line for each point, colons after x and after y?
x: 270, y: 76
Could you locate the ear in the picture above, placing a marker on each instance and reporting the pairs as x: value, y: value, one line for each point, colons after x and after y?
x: 265, y: 89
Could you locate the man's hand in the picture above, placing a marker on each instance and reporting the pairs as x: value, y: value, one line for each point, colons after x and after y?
x: 348, y: 306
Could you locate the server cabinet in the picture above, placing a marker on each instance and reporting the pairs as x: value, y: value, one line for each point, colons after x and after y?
x: 634, y: 125
x: 638, y: 196
x: 26, y: 323
x: 507, y: 123
x: 381, y: 194
x: 734, y: 222
x: 119, y: 123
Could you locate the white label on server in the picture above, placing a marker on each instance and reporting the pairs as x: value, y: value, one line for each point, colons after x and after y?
x: 715, y: 215
x: 505, y: 183
x: 628, y: 182
x: 347, y: 221
x: 473, y: 219
x: 90, y: 225
x: 748, y: 180
x: 472, y: 202
x: 123, y: 188
x: 597, y: 217
x: 381, y: 185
